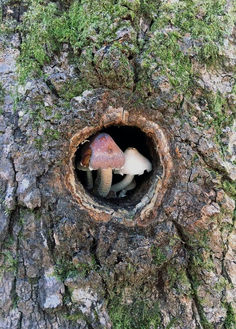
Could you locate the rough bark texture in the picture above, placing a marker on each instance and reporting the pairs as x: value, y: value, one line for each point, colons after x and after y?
x: 60, y: 266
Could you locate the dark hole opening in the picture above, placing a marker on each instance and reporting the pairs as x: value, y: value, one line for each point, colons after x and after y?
x: 126, y: 136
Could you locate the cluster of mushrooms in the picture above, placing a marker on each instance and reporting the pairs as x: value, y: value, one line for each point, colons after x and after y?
x: 101, y: 153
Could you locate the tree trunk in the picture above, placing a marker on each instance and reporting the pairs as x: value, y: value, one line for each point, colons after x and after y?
x: 163, y: 256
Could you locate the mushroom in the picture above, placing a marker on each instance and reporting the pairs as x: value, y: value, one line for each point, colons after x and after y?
x: 130, y: 187
x: 102, y: 154
x: 89, y: 176
x: 135, y: 164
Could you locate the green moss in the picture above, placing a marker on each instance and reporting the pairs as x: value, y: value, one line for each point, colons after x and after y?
x: 94, y: 20
x: 114, y: 69
x: 221, y: 284
x: 204, y: 322
x: 176, y: 277
x: 172, y: 63
x: 45, y: 28
x: 199, y: 261
x: 39, y: 41
x: 65, y: 269
x: 149, y: 8
x: 172, y: 323
x: 205, y: 21
x: 4, y: 206
x: 8, y: 243
x: 38, y: 114
x: 195, y: 281
x: 9, y: 262
x: 2, y: 94
x: 89, y: 26
x: 157, y: 255
x: 183, y: 30
x: 73, y: 88
x: 172, y: 275
x: 230, y: 321
x: 75, y: 316
x: 220, y: 117
x: 39, y: 143
x: 140, y: 314
x: 230, y: 188
x: 51, y: 134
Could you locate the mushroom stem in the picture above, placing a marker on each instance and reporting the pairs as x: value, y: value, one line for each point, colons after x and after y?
x: 89, y: 184
x: 89, y: 176
x: 130, y: 187
x: 122, y: 184
x: 103, y: 182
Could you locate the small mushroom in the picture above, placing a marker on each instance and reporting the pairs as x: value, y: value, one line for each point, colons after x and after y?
x: 135, y: 164
x: 89, y: 176
x: 130, y: 187
x: 102, y: 154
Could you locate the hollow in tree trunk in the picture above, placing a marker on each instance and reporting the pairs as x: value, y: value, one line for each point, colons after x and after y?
x: 164, y: 255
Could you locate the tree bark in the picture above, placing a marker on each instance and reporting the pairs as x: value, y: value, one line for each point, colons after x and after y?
x: 61, y: 266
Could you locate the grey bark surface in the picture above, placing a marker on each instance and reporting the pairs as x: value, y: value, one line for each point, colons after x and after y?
x: 60, y: 268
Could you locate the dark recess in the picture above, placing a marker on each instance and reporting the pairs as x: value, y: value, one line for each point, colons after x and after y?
x: 127, y: 136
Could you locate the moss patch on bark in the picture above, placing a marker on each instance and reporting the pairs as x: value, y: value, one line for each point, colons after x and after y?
x: 175, y: 34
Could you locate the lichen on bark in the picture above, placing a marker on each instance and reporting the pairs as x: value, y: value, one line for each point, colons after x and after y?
x: 64, y: 66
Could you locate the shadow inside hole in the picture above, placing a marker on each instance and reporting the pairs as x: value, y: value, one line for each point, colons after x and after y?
x: 126, y: 136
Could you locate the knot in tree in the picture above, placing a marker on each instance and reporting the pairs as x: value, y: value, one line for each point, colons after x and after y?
x: 101, y: 155
x: 117, y: 164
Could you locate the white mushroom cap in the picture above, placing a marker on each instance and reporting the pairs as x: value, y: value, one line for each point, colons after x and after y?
x: 135, y: 163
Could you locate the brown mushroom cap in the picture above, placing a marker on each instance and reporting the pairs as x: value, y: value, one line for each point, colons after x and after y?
x: 102, y: 153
